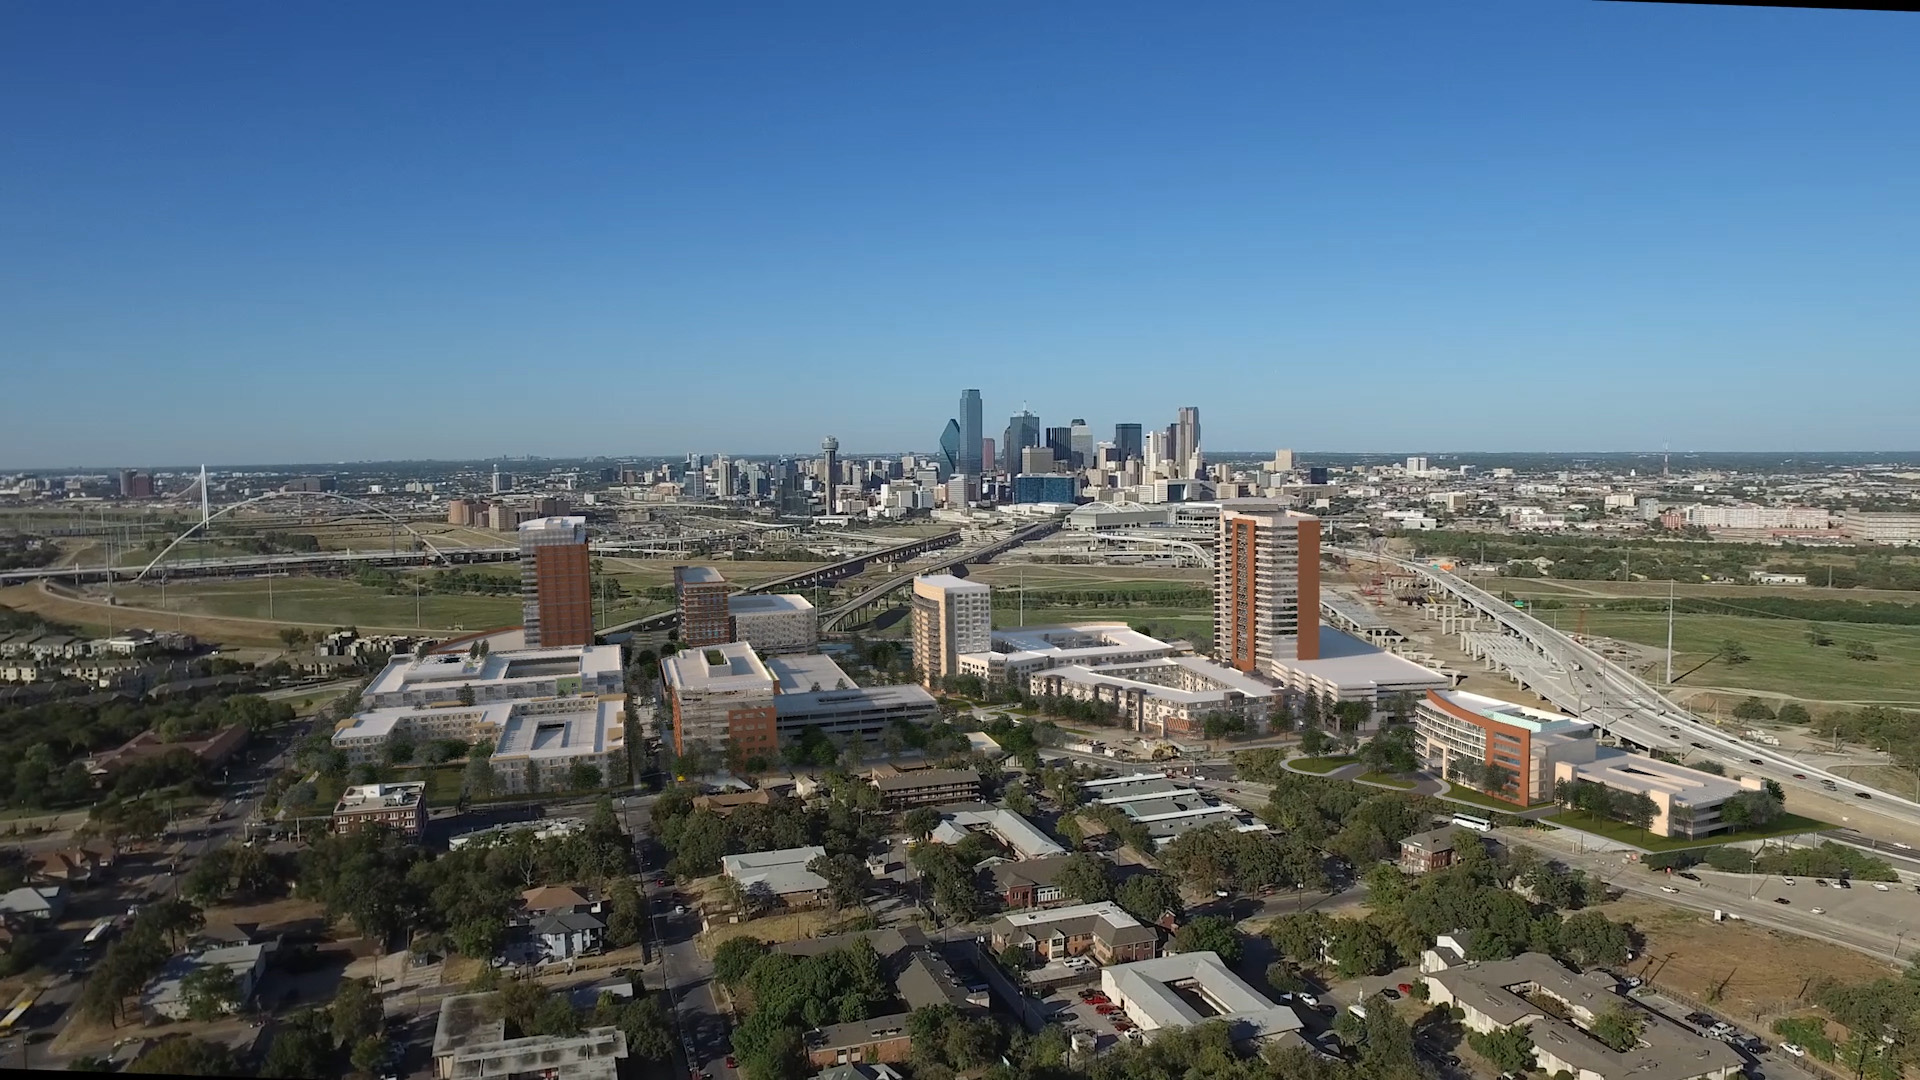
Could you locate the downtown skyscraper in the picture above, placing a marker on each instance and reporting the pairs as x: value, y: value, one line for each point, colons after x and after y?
x: 971, y: 445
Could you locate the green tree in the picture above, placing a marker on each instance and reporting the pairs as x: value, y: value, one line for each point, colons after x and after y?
x: 1146, y: 895
x: 1752, y: 708
x: 1210, y: 933
x: 1509, y: 1049
x: 368, y: 1053
x: 920, y: 822
x: 356, y: 1011
x: 1618, y: 1028
x: 1083, y: 877
x: 210, y: 991
x: 186, y: 1056
x: 735, y: 957
x: 626, y: 913
x: 1793, y: 713
x: 1359, y: 947
x: 1589, y: 939
x: 583, y: 776
x: 847, y: 878
x: 1733, y: 652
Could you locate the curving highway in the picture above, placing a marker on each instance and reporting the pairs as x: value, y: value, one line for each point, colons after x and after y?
x: 1621, y: 703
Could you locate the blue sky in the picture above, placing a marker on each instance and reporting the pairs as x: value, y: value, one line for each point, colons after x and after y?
x: 268, y: 232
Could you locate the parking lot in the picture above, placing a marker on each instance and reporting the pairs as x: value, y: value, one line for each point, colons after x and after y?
x: 1078, y: 1016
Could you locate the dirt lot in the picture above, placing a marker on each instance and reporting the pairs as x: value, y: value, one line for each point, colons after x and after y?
x: 1747, y: 972
x: 792, y: 926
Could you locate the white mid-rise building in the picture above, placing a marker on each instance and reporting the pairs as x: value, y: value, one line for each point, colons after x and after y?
x: 445, y: 678
x: 535, y: 741
x: 951, y: 617
x: 1016, y: 654
x: 774, y: 622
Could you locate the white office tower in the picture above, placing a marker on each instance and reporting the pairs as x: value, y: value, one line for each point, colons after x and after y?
x: 1282, y: 461
x: 696, y: 482
x: 1155, y: 455
x: 1080, y: 441
x: 1416, y: 466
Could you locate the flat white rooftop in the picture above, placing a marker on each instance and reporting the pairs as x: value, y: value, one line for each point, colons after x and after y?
x: 1624, y: 771
x: 779, y: 872
x: 948, y: 581
x: 767, y: 604
x: 1351, y: 664
x: 1144, y: 676
x: 1511, y: 714
x: 738, y: 669
x: 1016, y: 831
x: 700, y: 575
x: 1077, y: 641
x: 798, y: 672
x: 402, y: 673
x: 1157, y: 994
x: 1106, y: 910
x: 595, y: 728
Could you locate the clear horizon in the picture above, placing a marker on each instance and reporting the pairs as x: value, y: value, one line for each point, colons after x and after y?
x: 257, y: 234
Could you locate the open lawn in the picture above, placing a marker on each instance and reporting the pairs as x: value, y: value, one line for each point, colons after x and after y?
x: 1782, y: 660
x: 1754, y: 973
x: 1787, y: 825
x: 1388, y: 780
x: 1321, y: 765
x: 1462, y: 793
x: 328, y: 601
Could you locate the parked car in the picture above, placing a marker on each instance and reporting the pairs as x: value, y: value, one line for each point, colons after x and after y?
x: 1820, y: 881
x: 1406, y: 988
x: 1390, y: 994
x: 1790, y: 881
x: 1690, y: 876
x: 1793, y: 1049
x: 1781, y: 900
x: 1882, y: 886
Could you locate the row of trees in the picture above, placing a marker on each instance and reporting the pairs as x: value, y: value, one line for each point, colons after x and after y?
x: 130, y: 963
x: 697, y: 839
x: 793, y: 994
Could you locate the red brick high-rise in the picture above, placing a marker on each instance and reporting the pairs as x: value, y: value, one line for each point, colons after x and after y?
x: 556, y: 582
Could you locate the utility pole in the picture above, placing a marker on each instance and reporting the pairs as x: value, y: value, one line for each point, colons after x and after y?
x: 1669, y: 632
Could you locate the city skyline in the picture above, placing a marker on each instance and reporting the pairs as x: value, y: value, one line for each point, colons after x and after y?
x: 1563, y: 226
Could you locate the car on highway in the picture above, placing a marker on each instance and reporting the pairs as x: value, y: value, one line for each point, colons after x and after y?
x: 730, y: 1063
x: 1755, y: 761
x: 1862, y: 795
x: 1668, y: 889
x: 1781, y: 900
x: 1689, y: 875
x: 1799, y: 776
x: 1789, y: 881
x: 1818, y: 910
x: 1881, y: 886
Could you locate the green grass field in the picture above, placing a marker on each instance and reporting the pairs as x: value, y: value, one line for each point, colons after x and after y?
x: 1388, y: 780
x: 1321, y: 765
x: 324, y: 600
x: 1782, y: 660
x: 1787, y: 825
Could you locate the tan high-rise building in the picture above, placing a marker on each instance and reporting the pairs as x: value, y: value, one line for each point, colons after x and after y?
x: 556, y: 582
x: 951, y: 617
x: 1266, y: 590
x: 701, y: 593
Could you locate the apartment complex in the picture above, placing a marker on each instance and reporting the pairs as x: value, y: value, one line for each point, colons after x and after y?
x: 1103, y: 930
x: 1452, y: 726
x: 1423, y: 853
x: 534, y: 743
x: 1015, y: 655
x: 951, y: 617
x: 1165, y: 807
x: 402, y: 807
x: 1558, y: 1009
x: 1882, y: 527
x: 925, y: 787
x: 1266, y: 595
x: 556, y: 583
x: 720, y: 695
x: 774, y: 622
x: 1194, y: 988
x: 447, y: 678
x: 701, y: 593
x: 1170, y: 696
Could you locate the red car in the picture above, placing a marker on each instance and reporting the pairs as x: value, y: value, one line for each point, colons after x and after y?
x: 1096, y: 999
x: 1103, y: 1009
x: 1406, y: 988
x: 730, y: 1063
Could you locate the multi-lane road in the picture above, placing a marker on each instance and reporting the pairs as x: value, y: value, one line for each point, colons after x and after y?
x: 1581, y: 681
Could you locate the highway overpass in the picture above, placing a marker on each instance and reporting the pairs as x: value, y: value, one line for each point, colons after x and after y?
x: 836, y: 618
x: 1584, y: 683
x: 805, y: 579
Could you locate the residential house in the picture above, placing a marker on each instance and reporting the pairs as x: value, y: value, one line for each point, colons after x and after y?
x: 552, y: 899
x: 1029, y: 883
x: 1423, y: 853
x: 72, y: 867
x: 880, y: 1039
x: 779, y: 875
x: 568, y: 934
x: 36, y: 903
x: 165, y: 996
x: 1103, y: 931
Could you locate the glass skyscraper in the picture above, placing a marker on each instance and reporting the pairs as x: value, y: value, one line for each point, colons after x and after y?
x: 968, y: 460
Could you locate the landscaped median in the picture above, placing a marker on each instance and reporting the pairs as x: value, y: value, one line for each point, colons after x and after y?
x: 1320, y: 765
x: 1400, y: 783
x: 1593, y: 824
